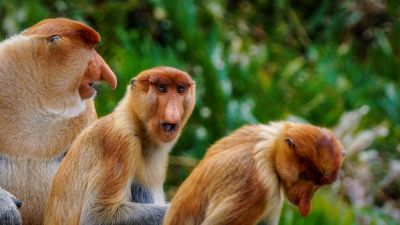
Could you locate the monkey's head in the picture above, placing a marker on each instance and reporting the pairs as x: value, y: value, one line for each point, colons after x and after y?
x: 57, y: 58
x: 163, y: 99
x: 307, y: 158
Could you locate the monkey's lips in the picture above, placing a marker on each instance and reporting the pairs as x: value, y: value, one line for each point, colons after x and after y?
x: 168, y: 131
x: 87, y: 90
x: 169, y: 127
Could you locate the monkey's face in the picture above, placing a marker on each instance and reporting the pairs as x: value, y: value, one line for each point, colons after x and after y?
x: 308, y: 158
x: 64, y: 61
x: 168, y: 96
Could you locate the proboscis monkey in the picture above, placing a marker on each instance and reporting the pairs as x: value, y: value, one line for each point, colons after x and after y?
x: 115, y: 169
x: 245, y: 176
x: 47, y: 74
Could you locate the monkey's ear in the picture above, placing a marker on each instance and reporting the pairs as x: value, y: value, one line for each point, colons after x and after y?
x: 290, y: 143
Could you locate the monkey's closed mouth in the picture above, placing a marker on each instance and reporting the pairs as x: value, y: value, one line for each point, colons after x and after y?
x: 93, y: 86
x: 169, y: 127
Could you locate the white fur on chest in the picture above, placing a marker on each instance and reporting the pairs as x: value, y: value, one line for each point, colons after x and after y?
x: 152, y: 174
x: 68, y: 110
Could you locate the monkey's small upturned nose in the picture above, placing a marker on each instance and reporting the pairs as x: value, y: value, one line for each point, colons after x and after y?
x: 169, y: 127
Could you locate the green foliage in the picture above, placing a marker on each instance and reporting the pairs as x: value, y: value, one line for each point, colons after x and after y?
x: 323, y: 212
x: 253, y: 61
x: 327, y: 210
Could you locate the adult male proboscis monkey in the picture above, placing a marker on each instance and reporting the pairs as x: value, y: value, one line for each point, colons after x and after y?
x: 115, y: 169
x: 245, y: 176
x: 47, y: 74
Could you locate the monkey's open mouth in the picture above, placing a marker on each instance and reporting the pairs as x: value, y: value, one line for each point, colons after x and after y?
x: 169, y: 127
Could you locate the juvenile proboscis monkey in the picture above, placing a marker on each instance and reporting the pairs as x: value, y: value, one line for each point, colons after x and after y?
x: 47, y: 74
x: 115, y: 169
x: 245, y: 176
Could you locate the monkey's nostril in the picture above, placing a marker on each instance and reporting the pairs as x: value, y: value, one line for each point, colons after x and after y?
x: 169, y: 127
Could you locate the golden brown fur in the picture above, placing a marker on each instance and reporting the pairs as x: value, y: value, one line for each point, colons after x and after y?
x: 243, y: 176
x: 128, y: 148
x: 45, y: 102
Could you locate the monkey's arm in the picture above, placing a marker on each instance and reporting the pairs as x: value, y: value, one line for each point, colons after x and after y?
x: 110, y: 201
x: 128, y: 213
x: 9, y: 214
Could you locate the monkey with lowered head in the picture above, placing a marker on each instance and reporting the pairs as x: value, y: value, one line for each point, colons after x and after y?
x: 47, y: 74
x: 245, y: 176
x: 115, y: 169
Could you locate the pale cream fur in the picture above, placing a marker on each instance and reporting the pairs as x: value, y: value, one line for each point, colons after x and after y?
x: 264, y: 157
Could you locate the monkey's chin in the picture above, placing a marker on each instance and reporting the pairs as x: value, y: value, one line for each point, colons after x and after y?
x: 168, y: 137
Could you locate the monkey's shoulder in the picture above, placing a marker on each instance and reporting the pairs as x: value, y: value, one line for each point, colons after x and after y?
x: 243, y: 139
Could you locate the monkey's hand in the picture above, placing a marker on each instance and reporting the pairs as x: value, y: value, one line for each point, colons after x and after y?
x: 147, y: 214
x: 9, y: 214
x: 129, y: 213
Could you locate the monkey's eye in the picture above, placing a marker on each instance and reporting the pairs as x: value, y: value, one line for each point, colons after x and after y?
x: 180, y: 89
x: 54, y: 38
x: 290, y: 143
x: 162, y: 88
x: 133, y: 80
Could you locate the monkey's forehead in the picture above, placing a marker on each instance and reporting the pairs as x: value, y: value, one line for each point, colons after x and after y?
x: 165, y: 75
x: 64, y: 27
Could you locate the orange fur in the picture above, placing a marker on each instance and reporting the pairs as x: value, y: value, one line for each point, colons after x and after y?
x: 45, y: 101
x: 242, y: 177
x: 93, y: 182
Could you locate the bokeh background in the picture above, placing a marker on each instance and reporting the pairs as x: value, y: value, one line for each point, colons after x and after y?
x: 333, y: 63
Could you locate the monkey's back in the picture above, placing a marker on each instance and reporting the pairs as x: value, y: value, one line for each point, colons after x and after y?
x: 224, y: 188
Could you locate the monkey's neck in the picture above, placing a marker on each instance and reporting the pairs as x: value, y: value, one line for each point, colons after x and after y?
x: 265, y: 151
x: 264, y: 154
x: 34, y: 134
x: 153, y: 157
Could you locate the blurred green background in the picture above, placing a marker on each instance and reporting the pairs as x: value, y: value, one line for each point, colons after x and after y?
x: 330, y: 63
